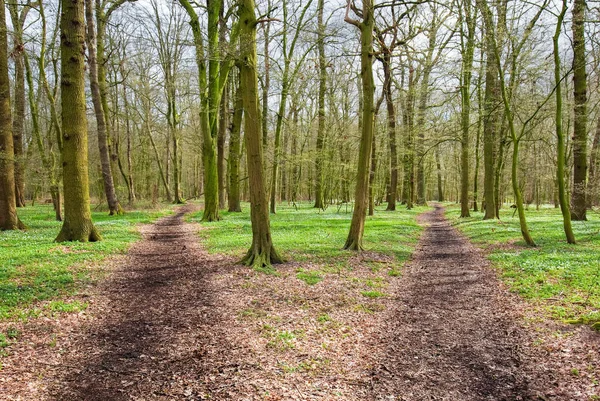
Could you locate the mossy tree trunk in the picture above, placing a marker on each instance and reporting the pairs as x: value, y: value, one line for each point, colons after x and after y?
x: 594, y: 192
x: 18, y: 55
x: 468, y: 18
x: 490, y: 125
x: 114, y: 206
x: 319, y: 204
x: 560, y: 136
x: 77, y: 225
x: 223, y: 126
x: 408, y: 192
x: 262, y: 252
x: 8, y: 205
x: 357, y: 227
x: 234, y: 152
x: 580, y: 137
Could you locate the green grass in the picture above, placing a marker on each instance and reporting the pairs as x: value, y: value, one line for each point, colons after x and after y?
x: 308, y: 234
x: 309, y: 277
x: 35, y: 268
x: 565, y: 277
x: 373, y: 294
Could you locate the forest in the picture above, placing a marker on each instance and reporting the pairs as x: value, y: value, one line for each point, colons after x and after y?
x: 299, y: 199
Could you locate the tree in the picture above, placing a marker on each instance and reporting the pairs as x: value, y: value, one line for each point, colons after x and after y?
x: 288, y: 76
x: 18, y: 21
x: 211, y: 90
x: 77, y: 225
x: 580, y: 137
x: 491, y: 118
x: 8, y: 204
x: 506, y: 90
x: 467, y: 14
x: 357, y: 227
x: 114, y: 207
x: 234, y: 149
x: 262, y: 253
x: 319, y: 203
x: 560, y: 136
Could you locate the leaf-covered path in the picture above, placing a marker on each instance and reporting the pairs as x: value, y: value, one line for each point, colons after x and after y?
x: 457, y: 334
x: 173, y: 322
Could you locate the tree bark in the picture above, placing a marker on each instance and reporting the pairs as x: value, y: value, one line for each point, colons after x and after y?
x: 8, y: 205
x: 262, y: 252
x: 391, y: 129
x: 439, y: 175
x: 19, y: 100
x: 223, y: 125
x: 490, y: 125
x: 234, y: 152
x: 578, y: 196
x: 594, y: 197
x: 355, y: 236
x: 321, y: 114
x: 468, y: 50
x: 107, y: 178
x: 560, y: 136
x: 77, y: 225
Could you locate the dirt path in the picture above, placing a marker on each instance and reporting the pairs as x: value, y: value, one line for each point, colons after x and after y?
x: 454, y: 335
x: 173, y: 322
x: 155, y: 318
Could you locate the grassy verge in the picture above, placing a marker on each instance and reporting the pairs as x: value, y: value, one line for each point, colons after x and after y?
x: 306, y: 234
x: 564, y: 278
x: 35, y: 268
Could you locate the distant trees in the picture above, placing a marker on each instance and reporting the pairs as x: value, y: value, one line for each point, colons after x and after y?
x: 168, y: 103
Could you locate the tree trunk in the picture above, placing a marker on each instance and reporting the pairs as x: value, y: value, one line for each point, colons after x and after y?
x: 234, y: 152
x: 408, y: 192
x: 266, y: 85
x: 490, y: 126
x: 19, y: 106
x: 321, y: 119
x: 261, y: 253
x: 439, y: 175
x: 391, y: 128
x: 468, y: 50
x: 8, y: 205
x: 478, y: 140
x: 223, y: 126
x: 372, y: 172
x: 77, y: 225
x: 594, y: 198
x: 109, y: 188
x: 578, y: 196
x: 355, y: 236
x: 560, y: 136
x: 129, y: 174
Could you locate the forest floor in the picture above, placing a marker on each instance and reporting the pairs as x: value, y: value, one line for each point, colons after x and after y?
x: 173, y: 322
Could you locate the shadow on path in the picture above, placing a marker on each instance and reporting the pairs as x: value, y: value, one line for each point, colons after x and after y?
x: 150, y: 342
x: 453, y: 335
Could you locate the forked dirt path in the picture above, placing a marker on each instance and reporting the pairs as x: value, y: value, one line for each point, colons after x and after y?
x: 454, y: 335
x: 173, y: 322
